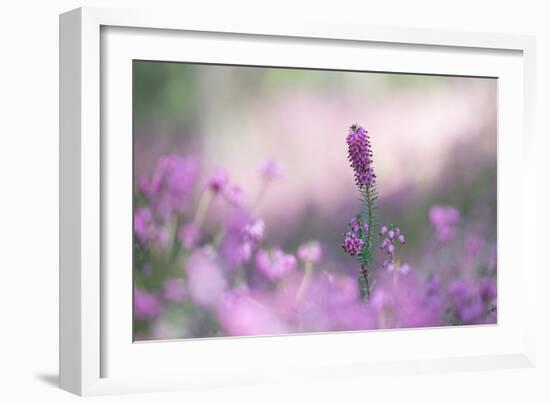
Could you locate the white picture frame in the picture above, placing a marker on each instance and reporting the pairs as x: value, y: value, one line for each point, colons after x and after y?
x: 96, y: 355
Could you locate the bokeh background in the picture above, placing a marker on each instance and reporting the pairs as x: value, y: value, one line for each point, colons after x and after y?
x: 434, y: 140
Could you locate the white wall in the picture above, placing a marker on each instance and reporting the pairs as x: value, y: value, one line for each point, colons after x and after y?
x: 29, y: 202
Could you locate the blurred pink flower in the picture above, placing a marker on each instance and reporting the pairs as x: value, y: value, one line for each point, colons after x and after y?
x: 235, y: 250
x: 206, y: 282
x: 254, y: 232
x: 171, y: 185
x: 241, y: 314
x: 275, y: 264
x: 403, y: 302
x: 234, y: 195
x: 144, y: 226
x: 310, y: 252
x: 444, y: 219
x: 218, y: 180
x: 146, y: 305
x: 174, y: 290
x: 189, y: 235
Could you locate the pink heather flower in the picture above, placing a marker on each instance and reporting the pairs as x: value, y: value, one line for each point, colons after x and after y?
x: 254, y: 232
x: 217, y: 181
x: 352, y: 244
x: 144, y: 226
x: 355, y: 225
x: 444, y: 219
x: 360, y: 156
x: 205, y: 280
x: 383, y: 230
x: 234, y: 195
x: 310, y: 252
x: 233, y: 250
x: 272, y: 170
x: 174, y: 290
x: 251, y: 235
x: 172, y: 184
x: 189, y: 235
x: 275, y: 264
x: 388, y: 244
x: 146, y: 305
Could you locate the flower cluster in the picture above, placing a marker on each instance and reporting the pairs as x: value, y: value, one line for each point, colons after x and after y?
x: 354, y: 240
x: 360, y: 156
x: 392, y: 236
x: 218, y: 183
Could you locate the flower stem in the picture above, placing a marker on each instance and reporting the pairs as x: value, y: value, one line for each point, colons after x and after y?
x: 305, y: 280
x: 364, y: 282
x: 204, y: 203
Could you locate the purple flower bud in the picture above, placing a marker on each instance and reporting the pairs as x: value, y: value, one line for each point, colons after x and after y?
x: 355, y: 225
x: 391, y: 248
x: 383, y: 230
x: 218, y: 181
x: 401, y: 239
x: 391, y: 234
x: 352, y: 244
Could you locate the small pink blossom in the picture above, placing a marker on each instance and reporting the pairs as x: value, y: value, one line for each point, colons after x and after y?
x: 275, y: 264
x: 234, y: 195
x: 217, y: 181
x: 310, y: 252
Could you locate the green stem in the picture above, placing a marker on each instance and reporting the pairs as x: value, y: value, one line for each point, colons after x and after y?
x: 365, y: 291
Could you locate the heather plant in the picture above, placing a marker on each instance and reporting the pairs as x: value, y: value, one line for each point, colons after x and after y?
x: 359, y: 241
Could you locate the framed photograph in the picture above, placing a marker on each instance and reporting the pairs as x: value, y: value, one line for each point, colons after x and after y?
x: 247, y: 202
